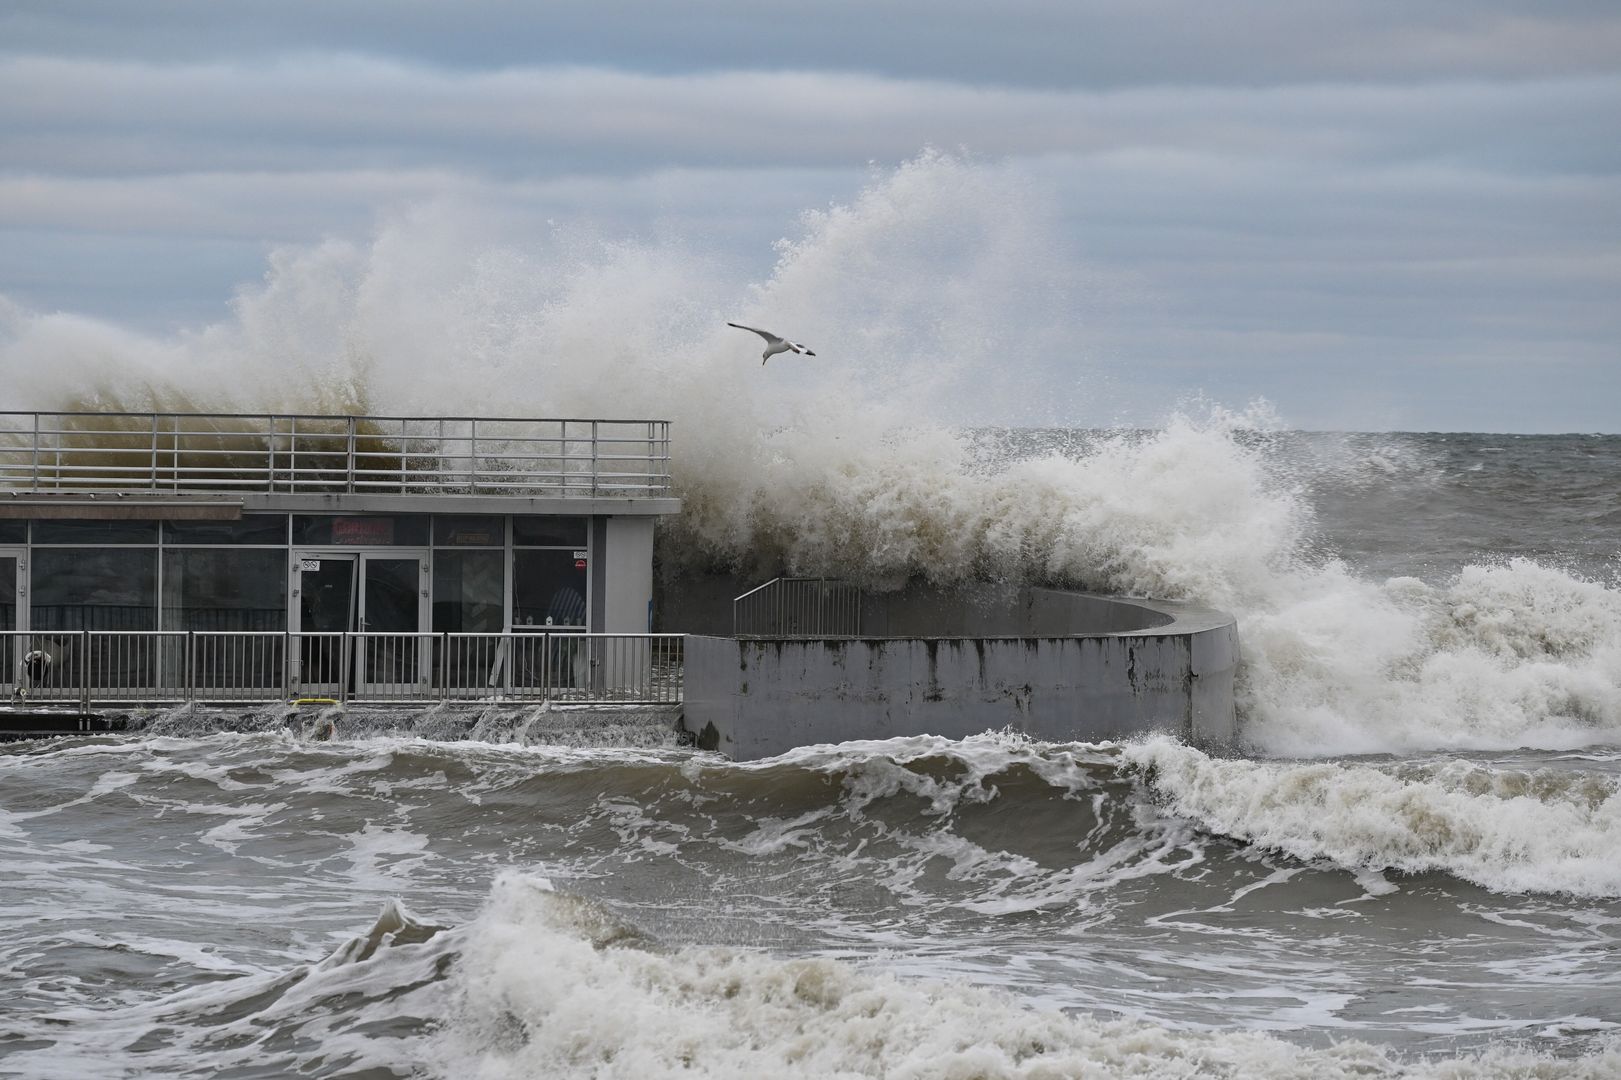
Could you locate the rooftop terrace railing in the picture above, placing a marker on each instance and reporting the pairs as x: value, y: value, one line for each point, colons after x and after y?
x: 238, y: 453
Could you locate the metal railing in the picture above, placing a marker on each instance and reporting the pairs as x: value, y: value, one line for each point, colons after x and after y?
x: 99, y: 668
x: 234, y: 453
x: 798, y: 607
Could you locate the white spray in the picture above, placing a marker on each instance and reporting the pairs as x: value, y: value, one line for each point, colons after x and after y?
x: 936, y: 296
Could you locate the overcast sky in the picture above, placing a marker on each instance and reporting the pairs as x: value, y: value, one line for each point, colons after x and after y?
x: 1377, y: 215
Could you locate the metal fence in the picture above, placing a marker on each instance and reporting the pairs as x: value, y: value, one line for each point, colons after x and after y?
x: 798, y: 607
x: 239, y: 452
x: 98, y: 668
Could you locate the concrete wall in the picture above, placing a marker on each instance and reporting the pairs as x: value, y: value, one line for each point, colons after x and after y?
x: 756, y: 697
x: 627, y: 592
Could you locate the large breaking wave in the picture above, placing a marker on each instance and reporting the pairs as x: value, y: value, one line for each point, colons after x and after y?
x: 934, y: 297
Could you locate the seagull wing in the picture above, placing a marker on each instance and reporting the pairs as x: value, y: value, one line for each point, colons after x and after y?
x: 768, y: 335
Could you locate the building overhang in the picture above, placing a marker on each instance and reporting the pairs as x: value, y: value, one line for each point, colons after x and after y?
x: 574, y: 505
x: 120, y: 508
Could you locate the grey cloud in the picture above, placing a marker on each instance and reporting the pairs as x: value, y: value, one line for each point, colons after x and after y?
x: 1061, y: 43
x: 1355, y: 210
x: 86, y: 117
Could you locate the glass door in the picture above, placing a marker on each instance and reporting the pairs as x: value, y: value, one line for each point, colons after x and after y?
x: 363, y: 621
x: 326, y: 611
x: 393, y: 659
x: 13, y: 617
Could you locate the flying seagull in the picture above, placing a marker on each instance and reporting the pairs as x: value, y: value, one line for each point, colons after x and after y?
x: 773, y: 343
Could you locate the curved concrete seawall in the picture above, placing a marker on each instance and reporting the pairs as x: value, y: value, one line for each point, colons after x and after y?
x: 1055, y: 665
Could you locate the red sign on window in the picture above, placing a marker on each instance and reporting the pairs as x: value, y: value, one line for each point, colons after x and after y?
x: 363, y: 530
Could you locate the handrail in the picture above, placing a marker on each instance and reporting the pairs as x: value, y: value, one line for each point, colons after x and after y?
x: 798, y: 607
x: 194, y: 453
x: 89, y: 669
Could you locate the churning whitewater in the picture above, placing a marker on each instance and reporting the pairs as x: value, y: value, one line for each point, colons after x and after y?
x: 1413, y: 870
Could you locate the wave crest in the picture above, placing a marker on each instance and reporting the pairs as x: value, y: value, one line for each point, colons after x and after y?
x: 1506, y: 830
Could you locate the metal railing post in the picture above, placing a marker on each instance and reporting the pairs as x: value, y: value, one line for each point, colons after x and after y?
x: 174, y: 458
x: 191, y: 665
x: 84, y: 671
x: 350, y: 470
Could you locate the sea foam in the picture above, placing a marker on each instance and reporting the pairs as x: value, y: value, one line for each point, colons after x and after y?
x: 1509, y: 830
x: 551, y: 984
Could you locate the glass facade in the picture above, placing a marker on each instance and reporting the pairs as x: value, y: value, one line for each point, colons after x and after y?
x: 566, y: 532
x: 234, y: 575
x: 361, y: 530
x: 262, y: 529
x: 95, y: 532
x: 548, y: 589
x: 469, y: 530
x: 468, y: 591
x: 225, y: 589
x: 107, y: 588
x: 8, y: 620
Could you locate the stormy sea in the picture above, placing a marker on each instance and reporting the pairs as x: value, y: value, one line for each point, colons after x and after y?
x: 1415, y: 868
x: 1410, y: 867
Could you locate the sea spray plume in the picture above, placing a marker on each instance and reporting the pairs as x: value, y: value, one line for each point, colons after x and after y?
x: 289, y: 348
x: 944, y: 265
x: 947, y: 280
x: 867, y: 476
x: 1336, y: 664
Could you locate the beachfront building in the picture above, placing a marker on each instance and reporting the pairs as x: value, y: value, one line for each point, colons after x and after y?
x: 167, y: 556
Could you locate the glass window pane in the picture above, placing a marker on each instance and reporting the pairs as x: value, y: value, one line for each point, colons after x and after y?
x: 94, y: 589
x: 469, y: 530
x: 66, y: 531
x: 250, y: 529
x: 225, y: 589
x: 8, y: 621
x: 13, y: 532
x: 393, y: 594
x: 8, y: 608
x: 326, y: 589
x: 468, y: 587
x: 549, y: 531
x: 361, y: 530
x: 547, y: 585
